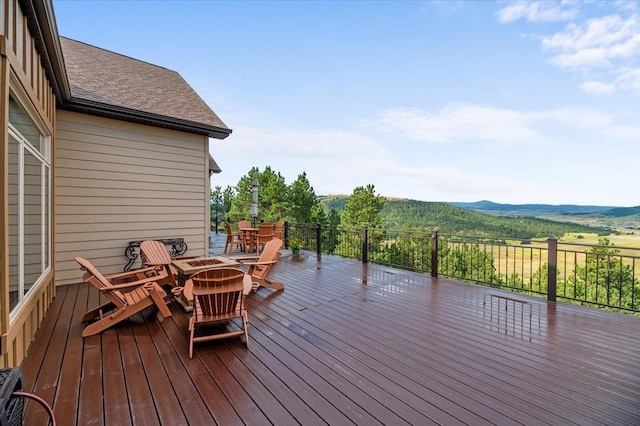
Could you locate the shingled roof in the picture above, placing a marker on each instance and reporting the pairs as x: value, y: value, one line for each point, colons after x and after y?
x: 113, y: 85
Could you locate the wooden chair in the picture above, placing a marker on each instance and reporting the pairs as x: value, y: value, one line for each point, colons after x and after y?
x: 244, y: 224
x: 247, y: 237
x: 264, y: 235
x: 128, y: 293
x: 218, y: 296
x: 154, y: 253
x: 260, y: 267
x: 277, y: 229
x: 233, y: 238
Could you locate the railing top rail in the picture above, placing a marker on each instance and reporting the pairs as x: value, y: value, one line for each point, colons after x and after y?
x: 492, y: 238
x: 616, y: 247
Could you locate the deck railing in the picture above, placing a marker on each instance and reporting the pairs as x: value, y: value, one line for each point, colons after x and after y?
x: 604, y: 275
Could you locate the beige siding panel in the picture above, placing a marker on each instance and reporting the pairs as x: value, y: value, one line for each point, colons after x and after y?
x: 105, y: 144
x: 117, y: 182
x: 75, y: 174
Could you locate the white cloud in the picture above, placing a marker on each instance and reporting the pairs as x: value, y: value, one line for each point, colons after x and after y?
x: 537, y: 11
x: 292, y: 143
x: 603, y: 51
x: 597, y: 43
x: 454, y: 180
x: 598, y: 88
x: 629, y: 79
x: 593, y: 121
x: 473, y: 124
x: 461, y: 123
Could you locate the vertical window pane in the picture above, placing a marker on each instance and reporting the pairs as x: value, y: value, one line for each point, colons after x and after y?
x: 46, y: 217
x: 19, y: 118
x: 32, y: 219
x: 14, y: 222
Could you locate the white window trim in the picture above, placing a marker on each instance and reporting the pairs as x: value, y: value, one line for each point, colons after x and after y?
x: 45, y: 260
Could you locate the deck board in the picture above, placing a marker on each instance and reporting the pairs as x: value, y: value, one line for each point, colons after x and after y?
x: 346, y: 343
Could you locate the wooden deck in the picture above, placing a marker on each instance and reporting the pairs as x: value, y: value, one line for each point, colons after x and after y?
x: 346, y: 343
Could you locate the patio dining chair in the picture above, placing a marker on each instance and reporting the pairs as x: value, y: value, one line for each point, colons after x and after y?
x: 233, y: 238
x: 277, y: 229
x: 128, y: 293
x: 218, y: 296
x: 247, y: 236
x: 264, y: 235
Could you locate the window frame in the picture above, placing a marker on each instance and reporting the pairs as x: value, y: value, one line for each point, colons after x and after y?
x: 43, y: 156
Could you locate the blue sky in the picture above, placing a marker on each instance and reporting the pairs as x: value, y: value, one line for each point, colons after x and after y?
x: 510, y: 101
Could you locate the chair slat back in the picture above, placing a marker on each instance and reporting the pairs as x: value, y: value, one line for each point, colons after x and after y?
x: 219, y: 291
x: 227, y: 226
x: 96, y: 279
x: 265, y: 230
x: 244, y: 224
x: 154, y: 253
x: 271, y: 250
x: 270, y: 253
x: 277, y: 229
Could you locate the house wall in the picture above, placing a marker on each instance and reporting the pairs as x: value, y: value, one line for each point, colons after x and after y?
x: 22, y: 71
x: 117, y: 181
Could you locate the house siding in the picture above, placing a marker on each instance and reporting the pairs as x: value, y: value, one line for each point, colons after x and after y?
x: 21, y: 69
x: 116, y: 182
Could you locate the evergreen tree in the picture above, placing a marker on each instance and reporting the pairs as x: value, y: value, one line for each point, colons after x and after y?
x: 363, y: 208
x: 271, y: 195
x: 227, y: 198
x: 333, y: 218
x: 217, y: 206
x: 302, y: 202
x: 605, y: 279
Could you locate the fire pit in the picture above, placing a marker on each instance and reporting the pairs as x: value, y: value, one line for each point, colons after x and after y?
x: 188, y: 267
x: 204, y: 262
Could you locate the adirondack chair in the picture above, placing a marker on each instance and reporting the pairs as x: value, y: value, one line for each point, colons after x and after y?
x: 233, y: 238
x: 218, y: 296
x: 128, y: 293
x: 260, y: 267
x: 154, y: 253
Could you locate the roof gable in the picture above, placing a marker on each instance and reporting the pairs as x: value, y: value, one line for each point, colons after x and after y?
x: 107, y: 83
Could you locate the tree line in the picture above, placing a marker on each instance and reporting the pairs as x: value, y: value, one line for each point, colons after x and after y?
x: 297, y: 202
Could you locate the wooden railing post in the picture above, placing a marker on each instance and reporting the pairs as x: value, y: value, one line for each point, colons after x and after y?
x: 434, y: 254
x: 286, y: 234
x: 365, y: 245
x: 319, y: 241
x: 552, y: 274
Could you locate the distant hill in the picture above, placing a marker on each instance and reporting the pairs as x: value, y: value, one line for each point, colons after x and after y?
x: 622, y: 212
x: 450, y: 219
x: 619, y: 218
x: 530, y: 209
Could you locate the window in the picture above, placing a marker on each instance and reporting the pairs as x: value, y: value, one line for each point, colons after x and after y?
x: 29, y: 204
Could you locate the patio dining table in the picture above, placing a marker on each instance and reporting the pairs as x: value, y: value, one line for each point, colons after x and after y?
x: 249, y: 236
